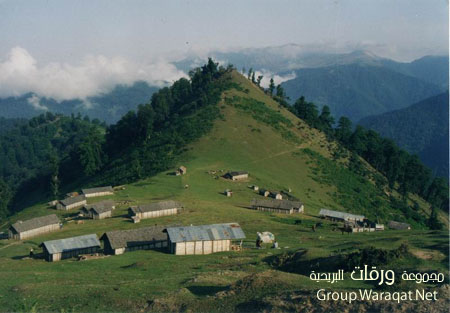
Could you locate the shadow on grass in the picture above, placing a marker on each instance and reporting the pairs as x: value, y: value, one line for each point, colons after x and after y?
x: 206, y: 290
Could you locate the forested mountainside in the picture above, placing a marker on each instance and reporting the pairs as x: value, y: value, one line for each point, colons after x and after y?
x: 358, y: 90
x: 64, y: 152
x: 421, y: 128
x: 108, y: 107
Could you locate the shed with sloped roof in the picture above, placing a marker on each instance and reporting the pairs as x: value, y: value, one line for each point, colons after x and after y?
x: 156, y: 209
x: 119, y: 241
x: 71, y: 203
x: 203, y: 239
x: 56, y: 250
x: 34, y: 227
x: 278, y: 206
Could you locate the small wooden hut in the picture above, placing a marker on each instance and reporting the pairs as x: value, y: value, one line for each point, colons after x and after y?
x: 71, y: 203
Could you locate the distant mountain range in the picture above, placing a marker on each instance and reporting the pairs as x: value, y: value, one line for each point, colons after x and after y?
x: 355, y: 84
x: 422, y: 128
x: 108, y: 107
x: 358, y: 90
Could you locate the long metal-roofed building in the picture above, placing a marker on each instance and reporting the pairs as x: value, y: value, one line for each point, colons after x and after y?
x: 119, y: 241
x: 97, y: 191
x: 340, y: 216
x: 34, y: 227
x: 156, y: 209
x: 278, y: 206
x: 55, y: 250
x: 204, y: 239
x: 71, y: 203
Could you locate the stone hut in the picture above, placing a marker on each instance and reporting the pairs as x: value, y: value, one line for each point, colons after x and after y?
x: 204, y: 239
x: 120, y: 241
x: 34, y: 227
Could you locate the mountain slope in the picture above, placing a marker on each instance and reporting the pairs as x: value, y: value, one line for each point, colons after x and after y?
x: 281, y: 152
x: 357, y: 91
x: 108, y: 107
x: 421, y: 128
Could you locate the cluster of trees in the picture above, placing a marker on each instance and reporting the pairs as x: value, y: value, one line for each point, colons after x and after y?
x: 37, y: 154
x: 147, y: 141
x: 400, y: 168
x: 276, y: 92
x: 48, y: 152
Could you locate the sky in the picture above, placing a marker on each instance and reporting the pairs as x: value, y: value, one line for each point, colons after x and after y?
x: 66, y: 49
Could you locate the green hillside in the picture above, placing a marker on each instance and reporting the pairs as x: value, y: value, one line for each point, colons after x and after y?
x: 252, y: 133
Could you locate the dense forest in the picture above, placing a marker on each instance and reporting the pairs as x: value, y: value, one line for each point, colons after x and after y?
x: 421, y: 128
x: 50, y: 152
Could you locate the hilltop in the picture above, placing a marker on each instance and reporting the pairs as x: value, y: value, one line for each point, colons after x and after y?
x: 250, y: 131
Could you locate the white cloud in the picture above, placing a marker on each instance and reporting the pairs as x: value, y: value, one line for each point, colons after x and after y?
x: 35, y: 102
x: 20, y: 73
x: 277, y: 79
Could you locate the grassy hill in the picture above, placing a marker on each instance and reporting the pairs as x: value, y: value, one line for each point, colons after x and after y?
x: 280, y: 152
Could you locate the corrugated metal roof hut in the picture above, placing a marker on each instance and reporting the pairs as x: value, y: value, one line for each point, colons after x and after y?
x: 55, y: 250
x: 34, y: 227
x: 237, y: 175
x: 98, y: 191
x: 156, y: 209
x: 264, y: 192
x: 99, y: 210
x: 398, y: 225
x: 340, y: 216
x: 119, y: 241
x: 71, y: 203
x: 204, y: 239
x: 278, y: 206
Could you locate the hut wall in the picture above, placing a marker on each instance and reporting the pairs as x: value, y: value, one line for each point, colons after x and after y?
x: 275, y: 210
x: 69, y: 254
x: 101, y: 215
x: 207, y: 247
x: 98, y: 194
x: 37, y: 231
x: 239, y: 177
x: 60, y: 206
x: 154, y: 214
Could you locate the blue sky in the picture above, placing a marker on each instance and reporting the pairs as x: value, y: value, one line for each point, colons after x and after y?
x: 78, y: 48
x: 66, y: 30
